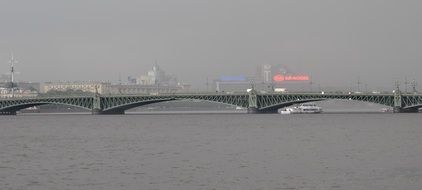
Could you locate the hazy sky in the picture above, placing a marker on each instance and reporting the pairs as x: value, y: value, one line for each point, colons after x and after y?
x: 335, y: 41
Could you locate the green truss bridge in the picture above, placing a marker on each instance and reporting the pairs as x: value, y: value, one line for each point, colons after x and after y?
x: 253, y: 101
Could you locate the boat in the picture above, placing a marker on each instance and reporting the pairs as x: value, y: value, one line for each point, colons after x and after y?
x: 301, y: 109
x: 387, y: 110
x: 33, y: 109
x: 289, y: 110
x: 239, y: 108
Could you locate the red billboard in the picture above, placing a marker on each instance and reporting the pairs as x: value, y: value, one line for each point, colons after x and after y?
x: 299, y: 77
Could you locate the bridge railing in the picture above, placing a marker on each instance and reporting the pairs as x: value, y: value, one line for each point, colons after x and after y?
x: 42, y: 97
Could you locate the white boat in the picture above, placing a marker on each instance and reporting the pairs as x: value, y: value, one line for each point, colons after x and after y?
x: 387, y: 110
x: 240, y: 108
x: 302, y: 108
x: 289, y: 110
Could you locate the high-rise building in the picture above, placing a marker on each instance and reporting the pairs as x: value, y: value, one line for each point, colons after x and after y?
x: 264, y: 73
x: 156, y: 76
x: 268, y: 78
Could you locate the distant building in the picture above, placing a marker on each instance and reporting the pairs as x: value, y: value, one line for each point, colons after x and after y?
x: 7, y: 93
x: 264, y: 73
x: 20, y: 89
x: 147, y: 89
x: 157, y: 76
x: 268, y: 78
x: 100, y: 87
x: 153, y: 82
x: 108, y: 88
x: 241, y: 86
x: 232, y: 84
x: 280, y: 76
x: 131, y: 80
x: 32, y: 86
x: 145, y: 80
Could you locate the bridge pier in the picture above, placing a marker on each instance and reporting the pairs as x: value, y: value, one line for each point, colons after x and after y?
x: 96, y: 112
x: 113, y: 112
x: 397, y: 110
x: 253, y: 102
x: 253, y: 110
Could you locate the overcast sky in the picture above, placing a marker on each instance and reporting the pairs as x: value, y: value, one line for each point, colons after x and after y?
x: 335, y: 41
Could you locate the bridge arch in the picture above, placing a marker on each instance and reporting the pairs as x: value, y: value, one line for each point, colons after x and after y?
x: 274, y: 108
x: 120, y: 109
x: 119, y: 106
x: 10, y: 106
x: 14, y: 108
x: 376, y: 99
x: 272, y: 102
x: 412, y: 108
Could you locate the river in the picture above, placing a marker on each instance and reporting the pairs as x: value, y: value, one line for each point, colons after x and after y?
x: 211, y: 151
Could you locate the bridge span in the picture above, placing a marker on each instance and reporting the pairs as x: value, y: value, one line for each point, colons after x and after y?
x: 253, y: 101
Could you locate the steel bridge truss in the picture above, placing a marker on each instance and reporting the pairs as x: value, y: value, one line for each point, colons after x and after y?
x: 259, y: 103
x: 10, y: 106
x: 118, y: 104
x: 272, y: 102
x: 412, y: 102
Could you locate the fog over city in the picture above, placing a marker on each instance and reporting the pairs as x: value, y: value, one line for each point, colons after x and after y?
x: 336, y: 42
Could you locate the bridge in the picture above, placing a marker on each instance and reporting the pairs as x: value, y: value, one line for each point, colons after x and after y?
x: 254, y: 102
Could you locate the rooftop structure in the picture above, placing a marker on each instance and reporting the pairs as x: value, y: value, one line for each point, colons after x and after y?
x: 156, y: 76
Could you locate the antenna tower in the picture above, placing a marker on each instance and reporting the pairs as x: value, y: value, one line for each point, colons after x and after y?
x: 12, y: 74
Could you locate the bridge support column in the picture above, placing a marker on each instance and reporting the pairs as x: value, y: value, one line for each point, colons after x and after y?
x: 96, y: 104
x: 398, y: 102
x: 253, y: 102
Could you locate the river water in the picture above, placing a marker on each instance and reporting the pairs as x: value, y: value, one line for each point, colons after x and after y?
x: 211, y: 151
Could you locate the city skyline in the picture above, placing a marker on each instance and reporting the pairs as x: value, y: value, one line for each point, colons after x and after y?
x: 405, y: 84
x: 337, y: 43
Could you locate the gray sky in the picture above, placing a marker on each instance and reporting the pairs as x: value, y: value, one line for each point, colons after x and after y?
x: 334, y: 41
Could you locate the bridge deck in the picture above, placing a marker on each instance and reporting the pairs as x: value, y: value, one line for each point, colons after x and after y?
x: 264, y: 102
